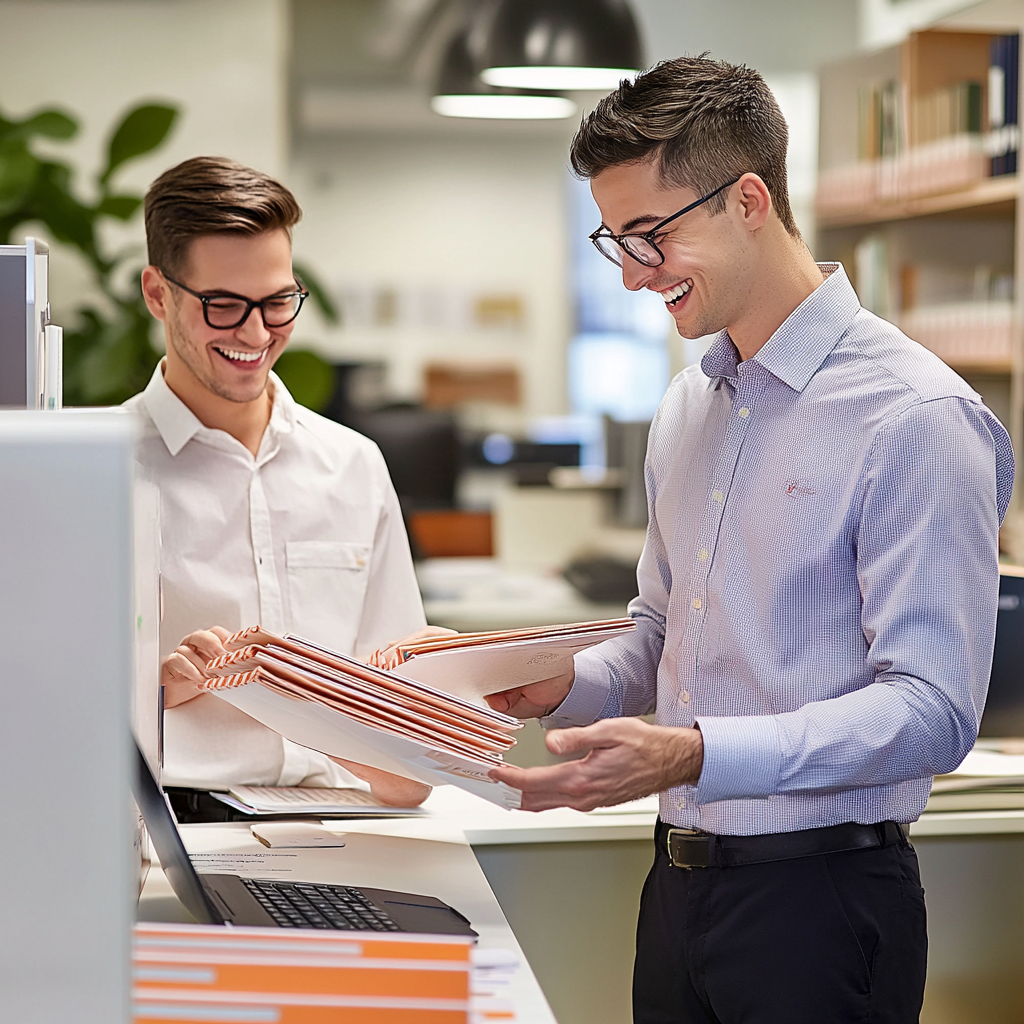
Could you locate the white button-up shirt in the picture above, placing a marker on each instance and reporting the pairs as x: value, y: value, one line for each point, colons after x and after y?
x: 305, y: 537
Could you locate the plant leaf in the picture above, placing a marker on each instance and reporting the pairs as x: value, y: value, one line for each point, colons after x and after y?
x: 140, y: 132
x: 121, y: 207
x: 18, y: 172
x: 54, y: 124
x: 321, y: 299
x: 309, y: 378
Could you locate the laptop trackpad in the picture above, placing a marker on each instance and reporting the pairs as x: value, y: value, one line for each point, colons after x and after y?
x: 415, y: 917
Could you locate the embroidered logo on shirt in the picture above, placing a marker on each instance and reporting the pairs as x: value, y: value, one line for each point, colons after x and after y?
x: 798, y: 488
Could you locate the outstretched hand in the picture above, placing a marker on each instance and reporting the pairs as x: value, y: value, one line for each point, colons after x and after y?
x: 626, y: 759
x: 184, y: 669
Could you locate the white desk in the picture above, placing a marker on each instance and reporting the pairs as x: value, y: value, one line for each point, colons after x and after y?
x: 440, y: 865
x: 569, y: 884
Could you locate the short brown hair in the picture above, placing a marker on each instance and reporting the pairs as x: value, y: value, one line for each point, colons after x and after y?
x: 209, y: 195
x: 706, y: 122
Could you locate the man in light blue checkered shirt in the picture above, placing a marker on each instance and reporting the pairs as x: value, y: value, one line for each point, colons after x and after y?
x: 817, y: 592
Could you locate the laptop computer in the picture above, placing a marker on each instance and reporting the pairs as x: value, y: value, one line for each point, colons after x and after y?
x: 1004, y: 708
x: 234, y: 900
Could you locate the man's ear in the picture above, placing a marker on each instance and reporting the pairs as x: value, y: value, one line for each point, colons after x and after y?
x: 755, y: 201
x: 156, y: 292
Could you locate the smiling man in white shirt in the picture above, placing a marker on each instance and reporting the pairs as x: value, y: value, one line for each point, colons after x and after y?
x: 270, y: 514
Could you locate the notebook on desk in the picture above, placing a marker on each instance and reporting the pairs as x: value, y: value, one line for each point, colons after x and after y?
x: 234, y: 900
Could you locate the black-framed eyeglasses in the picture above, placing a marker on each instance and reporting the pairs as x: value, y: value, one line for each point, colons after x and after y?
x: 640, y: 245
x: 224, y: 310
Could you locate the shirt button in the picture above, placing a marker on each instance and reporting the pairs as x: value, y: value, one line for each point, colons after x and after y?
x: 695, y: 602
x: 744, y: 412
x: 681, y: 803
x: 703, y: 556
x: 684, y: 697
x: 718, y: 495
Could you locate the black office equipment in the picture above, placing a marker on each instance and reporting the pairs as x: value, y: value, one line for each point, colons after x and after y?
x: 1004, y: 709
x: 231, y: 899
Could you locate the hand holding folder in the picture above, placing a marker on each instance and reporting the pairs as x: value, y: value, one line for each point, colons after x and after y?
x: 344, y: 708
x: 426, y: 720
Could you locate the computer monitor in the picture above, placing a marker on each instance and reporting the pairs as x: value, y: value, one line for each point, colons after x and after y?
x: 1004, y: 709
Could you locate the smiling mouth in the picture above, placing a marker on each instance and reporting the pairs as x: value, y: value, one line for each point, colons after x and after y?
x: 242, y: 358
x: 673, y: 296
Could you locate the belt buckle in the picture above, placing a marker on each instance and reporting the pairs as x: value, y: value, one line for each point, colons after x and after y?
x: 688, y: 848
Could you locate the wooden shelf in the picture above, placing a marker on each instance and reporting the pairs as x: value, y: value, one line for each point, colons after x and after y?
x: 994, y: 197
x: 994, y: 367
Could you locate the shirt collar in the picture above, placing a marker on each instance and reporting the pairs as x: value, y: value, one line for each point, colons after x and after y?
x: 177, y: 424
x: 795, y: 352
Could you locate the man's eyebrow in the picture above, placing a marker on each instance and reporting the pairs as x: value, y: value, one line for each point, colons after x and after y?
x: 647, y: 218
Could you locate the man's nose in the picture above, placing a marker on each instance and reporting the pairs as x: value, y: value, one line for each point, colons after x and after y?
x: 635, y: 275
x: 253, y: 331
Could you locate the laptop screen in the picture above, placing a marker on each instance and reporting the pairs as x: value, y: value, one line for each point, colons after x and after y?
x: 163, y: 832
x: 1004, y: 709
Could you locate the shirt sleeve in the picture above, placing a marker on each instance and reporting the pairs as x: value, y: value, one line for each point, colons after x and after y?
x: 392, y: 607
x: 935, y: 487
x: 620, y: 677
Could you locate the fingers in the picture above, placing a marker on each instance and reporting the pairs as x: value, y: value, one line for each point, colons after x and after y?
x: 389, y: 656
x: 207, y: 643
x: 575, y: 739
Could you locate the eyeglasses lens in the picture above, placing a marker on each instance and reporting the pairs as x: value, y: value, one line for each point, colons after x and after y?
x: 281, y: 311
x: 609, y: 248
x: 227, y: 312
x: 642, y: 251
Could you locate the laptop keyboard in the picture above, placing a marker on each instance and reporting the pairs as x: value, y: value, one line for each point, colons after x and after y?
x: 307, y: 905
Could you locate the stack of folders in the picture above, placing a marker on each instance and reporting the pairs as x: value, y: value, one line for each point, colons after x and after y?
x: 209, y: 974
x: 474, y: 665
x: 342, y: 707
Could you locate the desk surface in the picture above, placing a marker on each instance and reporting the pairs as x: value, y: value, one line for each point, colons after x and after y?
x: 450, y: 812
x: 442, y: 865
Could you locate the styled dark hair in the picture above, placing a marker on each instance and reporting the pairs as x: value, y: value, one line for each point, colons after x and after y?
x: 209, y: 195
x: 704, y: 121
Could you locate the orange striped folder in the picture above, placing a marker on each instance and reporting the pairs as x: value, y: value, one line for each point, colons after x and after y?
x: 214, y: 975
x: 341, y: 706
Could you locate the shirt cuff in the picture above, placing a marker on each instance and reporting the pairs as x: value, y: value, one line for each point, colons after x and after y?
x: 588, y: 695
x: 742, y: 758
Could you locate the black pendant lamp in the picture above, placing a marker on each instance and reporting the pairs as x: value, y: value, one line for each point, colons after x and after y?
x: 562, y: 44
x: 461, y: 93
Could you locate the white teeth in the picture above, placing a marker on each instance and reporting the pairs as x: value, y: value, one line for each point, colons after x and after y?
x: 241, y: 357
x: 673, y: 294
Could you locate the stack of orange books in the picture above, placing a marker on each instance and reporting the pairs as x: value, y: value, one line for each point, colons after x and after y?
x: 210, y: 975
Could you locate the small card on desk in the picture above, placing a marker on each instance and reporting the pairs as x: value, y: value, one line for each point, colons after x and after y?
x: 295, y: 835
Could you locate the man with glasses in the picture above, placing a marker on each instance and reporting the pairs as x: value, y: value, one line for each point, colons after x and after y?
x: 818, y: 589
x: 270, y: 514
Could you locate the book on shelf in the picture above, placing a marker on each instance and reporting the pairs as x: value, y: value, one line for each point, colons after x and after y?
x: 1003, y: 140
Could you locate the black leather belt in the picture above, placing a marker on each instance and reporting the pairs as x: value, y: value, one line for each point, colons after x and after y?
x: 691, y: 848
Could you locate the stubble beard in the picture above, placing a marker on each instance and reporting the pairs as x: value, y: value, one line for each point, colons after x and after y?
x: 186, y: 350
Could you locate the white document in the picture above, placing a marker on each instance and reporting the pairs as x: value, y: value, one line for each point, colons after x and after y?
x: 474, y: 672
x: 298, y: 835
x: 321, y: 728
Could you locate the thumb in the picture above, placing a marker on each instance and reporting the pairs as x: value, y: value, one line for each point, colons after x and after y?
x: 569, y: 741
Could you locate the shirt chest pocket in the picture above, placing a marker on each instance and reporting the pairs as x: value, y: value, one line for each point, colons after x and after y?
x: 326, y: 588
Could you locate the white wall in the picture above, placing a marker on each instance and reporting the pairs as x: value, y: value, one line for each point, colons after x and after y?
x: 222, y: 63
x: 451, y: 216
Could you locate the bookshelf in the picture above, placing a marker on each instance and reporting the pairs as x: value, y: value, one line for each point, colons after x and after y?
x: 919, y: 197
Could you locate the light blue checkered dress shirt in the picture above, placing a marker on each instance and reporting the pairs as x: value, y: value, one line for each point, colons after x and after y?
x: 819, y: 584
